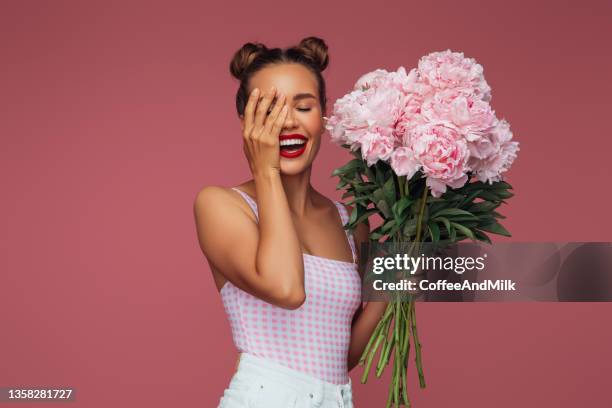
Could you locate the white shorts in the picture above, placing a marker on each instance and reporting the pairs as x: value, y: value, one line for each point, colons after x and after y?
x: 261, y: 383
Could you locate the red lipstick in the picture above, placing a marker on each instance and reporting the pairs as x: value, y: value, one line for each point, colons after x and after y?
x: 292, y: 146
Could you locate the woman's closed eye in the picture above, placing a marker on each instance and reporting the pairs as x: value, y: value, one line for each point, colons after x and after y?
x: 300, y: 109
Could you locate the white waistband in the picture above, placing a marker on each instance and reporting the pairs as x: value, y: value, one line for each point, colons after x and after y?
x: 258, y: 367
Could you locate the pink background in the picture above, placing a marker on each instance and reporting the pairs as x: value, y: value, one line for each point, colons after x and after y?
x: 115, y: 113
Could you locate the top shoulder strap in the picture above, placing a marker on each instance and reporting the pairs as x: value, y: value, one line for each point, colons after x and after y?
x: 349, y: 235
x: 250, y: 201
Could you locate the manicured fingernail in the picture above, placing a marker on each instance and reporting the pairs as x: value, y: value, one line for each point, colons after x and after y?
x: 256, y: 91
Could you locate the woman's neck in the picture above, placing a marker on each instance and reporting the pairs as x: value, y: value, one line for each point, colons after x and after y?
x: 300, y: 194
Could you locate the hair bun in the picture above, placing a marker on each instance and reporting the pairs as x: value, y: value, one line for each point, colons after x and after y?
x: 315, y: 50
x: 244, y: 56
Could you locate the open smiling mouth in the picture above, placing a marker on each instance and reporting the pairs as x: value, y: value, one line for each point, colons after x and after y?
x: 292, y: 146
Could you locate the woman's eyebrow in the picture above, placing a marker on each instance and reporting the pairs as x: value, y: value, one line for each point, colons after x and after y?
x: 303, y: 96
x: 299, y: 96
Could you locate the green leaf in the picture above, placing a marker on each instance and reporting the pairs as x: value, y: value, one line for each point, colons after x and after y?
x: 375, y: 236
x: 365, y: 187
x: 498, y: 215
x: 465, y: 230
x: 434, y: 230
x: 504, y: 194
x: 467, y: 223
x: 469, y: 198
x: 349, y: 167
x: 366, y: 215
x: 501, y: 185
x: 354, y: 215
x: 446, y: 223
x: 348, y: 193
x: 370, y: 173
x: 451, y: 195
x: 384, y: 208
x: 360, y: 200
x: 435, y: 207
x: 452, y: 212
x: 484, y: 206
x: 495, y: 228
x: 410, y: 227
x: 462, y: 218
x: 489, y: 195
x: 387, y: 225
x: 380, y: 178
x: 389, y: 191
x: 481, y: 236
x: 356, y: 152
x: 476, y: 185
x: 378, y: 195
x: 396, y: 227
x: 399, y: 207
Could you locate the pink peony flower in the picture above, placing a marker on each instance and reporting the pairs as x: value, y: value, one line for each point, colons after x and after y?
x: 380, y: 78
x: 385, y: 106
x: 447, y: 69
x: 376, y: 146
x: 443, y: 155
x: 404, y: 162
x: 362, y: 112
x: 493, y: 154
x: 369, y: 80
x: 348, y: 122
x: 436, y: 118
x: 470, y: 114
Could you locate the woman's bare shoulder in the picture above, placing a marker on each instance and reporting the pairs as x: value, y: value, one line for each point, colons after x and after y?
x: 219, y: 199
x: 212, y: 195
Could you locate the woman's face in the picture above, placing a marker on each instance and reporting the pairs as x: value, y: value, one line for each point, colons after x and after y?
x: 304, y: 117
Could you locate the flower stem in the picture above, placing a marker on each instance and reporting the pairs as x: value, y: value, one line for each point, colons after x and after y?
x: 401, y: 181
x: 366, y: 371
x: 381, y: 324
x: 412, y: 305
x: 417, y: 346
x: 421, y: 213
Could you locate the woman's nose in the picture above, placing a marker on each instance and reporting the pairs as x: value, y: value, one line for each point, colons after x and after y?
x: 290, y: 120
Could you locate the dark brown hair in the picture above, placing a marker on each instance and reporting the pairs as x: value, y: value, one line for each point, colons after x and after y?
x: 311, y: 52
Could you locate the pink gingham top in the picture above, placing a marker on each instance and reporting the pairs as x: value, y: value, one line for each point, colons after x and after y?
x: 313, y: 338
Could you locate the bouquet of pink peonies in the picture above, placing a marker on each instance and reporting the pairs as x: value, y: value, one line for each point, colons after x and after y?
x: 431, y: 130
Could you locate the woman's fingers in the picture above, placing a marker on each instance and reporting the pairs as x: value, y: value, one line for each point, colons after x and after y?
x: 278, y: 124
x: 262, y: 108
x: 273, y: 116
x: 249, y: 111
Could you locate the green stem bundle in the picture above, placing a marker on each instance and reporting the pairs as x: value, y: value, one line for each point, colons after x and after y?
x: 396, y: 339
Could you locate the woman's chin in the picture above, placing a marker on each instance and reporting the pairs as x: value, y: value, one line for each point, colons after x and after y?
x: 292, y: 167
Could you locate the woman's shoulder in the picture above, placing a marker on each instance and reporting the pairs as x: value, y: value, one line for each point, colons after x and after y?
x: 212, y: 194
x: 215, y: 198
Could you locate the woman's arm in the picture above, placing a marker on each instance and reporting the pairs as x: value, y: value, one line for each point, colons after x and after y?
x: 363, y: 325
x: 366, y: 318
x: 264, y: 258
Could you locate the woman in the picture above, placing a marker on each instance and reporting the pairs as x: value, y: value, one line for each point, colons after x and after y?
x: 285, y: 268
